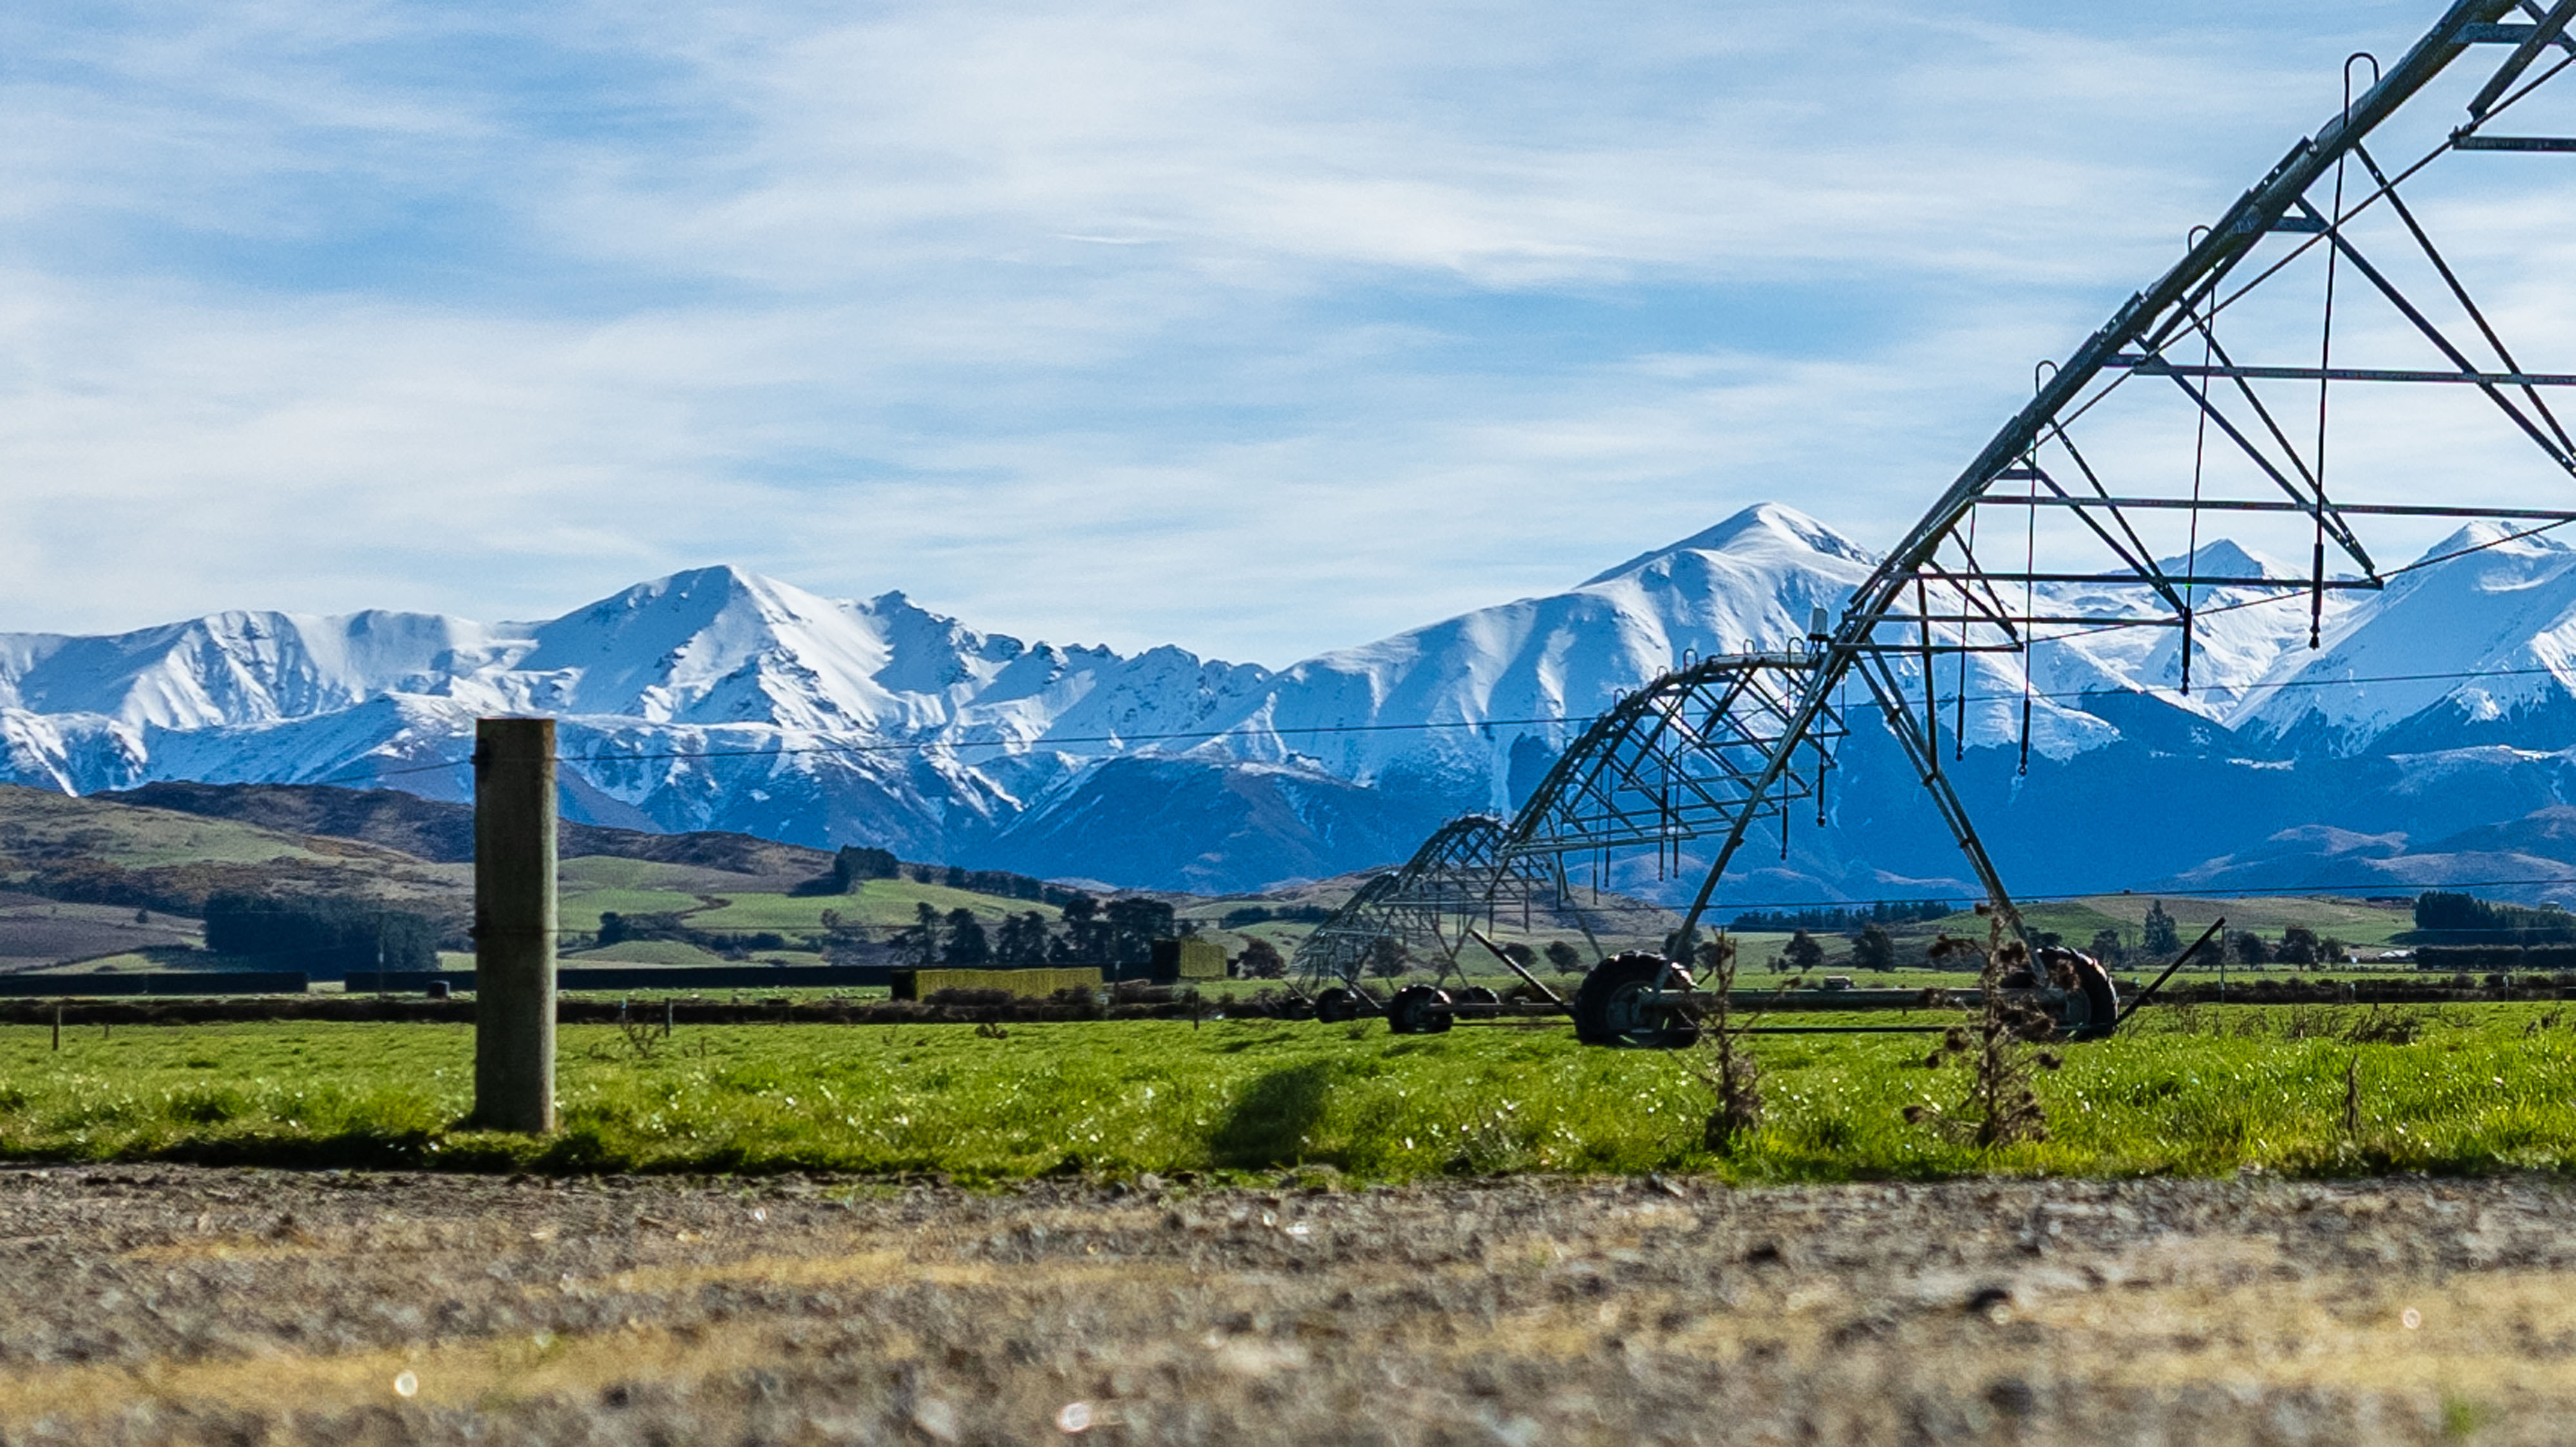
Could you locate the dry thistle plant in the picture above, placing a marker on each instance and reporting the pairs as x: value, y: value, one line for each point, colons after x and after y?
x: 1724, y: 1062
x: 641, y: 1036
x: 2001, y: 1108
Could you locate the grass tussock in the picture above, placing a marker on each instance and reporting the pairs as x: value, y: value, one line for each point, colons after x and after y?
x: 2303, y: 1090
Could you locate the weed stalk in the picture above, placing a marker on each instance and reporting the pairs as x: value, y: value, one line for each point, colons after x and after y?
x: 2001, y: 1104
x: 1726, y: 1062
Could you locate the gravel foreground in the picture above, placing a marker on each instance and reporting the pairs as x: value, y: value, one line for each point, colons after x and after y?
x: 216, y: 1306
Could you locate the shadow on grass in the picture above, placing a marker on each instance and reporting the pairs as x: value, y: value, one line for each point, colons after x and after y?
x: 1268, y: 1124
x: 343, y: 1150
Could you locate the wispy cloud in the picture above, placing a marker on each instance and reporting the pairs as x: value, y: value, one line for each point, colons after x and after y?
x: 1260, y: 328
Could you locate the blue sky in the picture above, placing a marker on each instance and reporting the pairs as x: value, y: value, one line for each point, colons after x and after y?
x: 1261, y: 329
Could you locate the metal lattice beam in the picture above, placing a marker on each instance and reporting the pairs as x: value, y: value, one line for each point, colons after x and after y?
x: 1672, y: 762
x: 1461, y: 878
x: 1678, y: 760
x: 2081, y: 536
x: 2071, y: 526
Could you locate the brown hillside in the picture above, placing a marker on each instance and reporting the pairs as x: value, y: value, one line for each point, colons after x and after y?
x: 443, y: 832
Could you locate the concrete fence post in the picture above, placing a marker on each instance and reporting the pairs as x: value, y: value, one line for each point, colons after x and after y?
x: 514, y: 924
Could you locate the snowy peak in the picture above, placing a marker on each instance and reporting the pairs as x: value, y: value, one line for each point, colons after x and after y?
x: 940, y: 740
x: 2222, y: 559
x: 1766, y: 530
x: 1467, y: 705
x: 2489, y: 538
x: 238, y: 667
x: 709, y: 646
x: 2481, y: 633
x: 714, y: 646
x: 931, y: 654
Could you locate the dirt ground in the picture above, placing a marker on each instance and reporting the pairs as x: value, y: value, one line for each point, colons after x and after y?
x: 183, y: 1305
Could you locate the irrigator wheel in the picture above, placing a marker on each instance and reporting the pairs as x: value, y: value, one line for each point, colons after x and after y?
x: 1611, y: 1008
x: 1418, y: 1010
x: 2101, y: 1006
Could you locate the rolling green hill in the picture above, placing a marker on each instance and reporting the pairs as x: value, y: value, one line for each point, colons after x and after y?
x: 710, y: 896
x: 95, y: 851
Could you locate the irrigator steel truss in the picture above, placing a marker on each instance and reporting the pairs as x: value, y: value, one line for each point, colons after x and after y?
x: 2329, y: 214
x: 1680, y: 758
x: 1716, y: 748
x: 1667, y: 763
x: 1420, y: 913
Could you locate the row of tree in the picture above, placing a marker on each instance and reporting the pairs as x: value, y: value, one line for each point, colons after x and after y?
x: 1243, y: 915
x: 1874, y: 948
x: 1121, y: 931
x: 853, y: 865
x: 2446, y: 918
x: 1843, y: 919
x: 2298, y: 945
x: 1387, y: 958
x: 320, y: 935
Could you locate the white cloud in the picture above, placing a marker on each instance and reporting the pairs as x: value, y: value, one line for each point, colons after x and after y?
x: 1260, y: 328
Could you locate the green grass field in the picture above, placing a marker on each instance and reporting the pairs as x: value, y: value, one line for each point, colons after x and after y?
x: 640, y: 952
x: 585, y: 872
x: 633, y: 887
x: 2207, y: 1091
x: 878, y: 902
x: 2354, y: 921
x: 140, y: 838
x: 2359, y: 924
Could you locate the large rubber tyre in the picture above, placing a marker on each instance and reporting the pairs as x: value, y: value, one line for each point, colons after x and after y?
x: 2101, y: 1005
x: 1610, y: 1010
x: 1337, y: 1005
x: 1418, y: 1010
x: 1478, y: 995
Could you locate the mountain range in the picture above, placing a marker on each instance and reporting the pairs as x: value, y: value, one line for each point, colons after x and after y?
x: 2429, y: 740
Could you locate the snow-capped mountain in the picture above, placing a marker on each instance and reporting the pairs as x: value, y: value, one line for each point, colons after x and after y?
x: 799, y: 715
x: 2501, y: 609
x: 2238, y: 636
x: 718, y: 699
